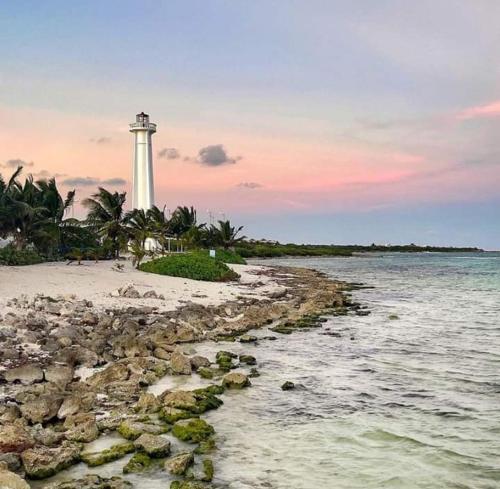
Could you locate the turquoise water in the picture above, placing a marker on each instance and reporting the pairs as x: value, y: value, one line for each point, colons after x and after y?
x: 407, y: 403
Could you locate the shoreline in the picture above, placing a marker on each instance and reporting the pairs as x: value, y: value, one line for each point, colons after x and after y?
x: 120, y: 350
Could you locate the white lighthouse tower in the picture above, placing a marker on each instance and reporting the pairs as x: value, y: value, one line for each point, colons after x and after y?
x: 143, y: 186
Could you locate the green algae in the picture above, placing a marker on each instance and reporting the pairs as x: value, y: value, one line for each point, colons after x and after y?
x: 193, y: 430
x: 138, y: 463
x: 208, y: 470
x: 108, y: 455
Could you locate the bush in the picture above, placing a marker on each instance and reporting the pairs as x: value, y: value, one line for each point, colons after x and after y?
x: 10, y: 256
x: 196, y: 266
x: 227, y: 256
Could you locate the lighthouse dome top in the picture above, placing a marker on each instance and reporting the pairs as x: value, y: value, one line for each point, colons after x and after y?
x: 142, y: 123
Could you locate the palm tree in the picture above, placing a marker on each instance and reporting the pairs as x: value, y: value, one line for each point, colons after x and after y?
x: 160, y: 226
x: 138, y: 225
x: 106, y: 216
x: 227, y: 235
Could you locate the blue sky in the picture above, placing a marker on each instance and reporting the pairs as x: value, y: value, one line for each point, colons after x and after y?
x: 351, y: 121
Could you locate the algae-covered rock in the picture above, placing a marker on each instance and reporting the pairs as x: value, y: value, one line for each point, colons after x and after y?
x: 179, y: 464
x: 235, y: 380
x: 246, y: 338
x: 138, y: 463
x: 287, y: 386
x: 153, y: 445
x: 131, y: 430
x: 189, y: 484
x: 180, y: 400
x: 225, y: 360
x: 393, y: 317
x: 92, y: 481
x: 208, y: 470
x: 192, y: 430
x: 206, y: 373
x: 248, y: 359
x: 254, y: 373
x: 205, y: 446
x: 41, y: 462
x: 198, y: 362
x: 113, y: 453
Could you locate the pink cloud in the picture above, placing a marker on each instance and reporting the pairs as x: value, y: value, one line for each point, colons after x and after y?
x: 488, y: 110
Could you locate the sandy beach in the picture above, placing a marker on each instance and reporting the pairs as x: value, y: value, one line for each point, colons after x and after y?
x: 97, y: 281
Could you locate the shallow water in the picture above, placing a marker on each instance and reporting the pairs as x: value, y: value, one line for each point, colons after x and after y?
x: 408, y: 403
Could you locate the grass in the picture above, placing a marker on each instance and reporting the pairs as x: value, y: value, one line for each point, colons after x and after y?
x: 227, y: 256
x: 195, y: 265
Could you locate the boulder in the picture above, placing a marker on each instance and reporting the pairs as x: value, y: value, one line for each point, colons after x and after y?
x: 180, y: 400
x: 91, y: 481
x: 147, y: 403
x: 27, y: 374
x: 109, y: 455
x: 9, y: 480
x: 180, y: 363
x: 198, y: 362
x: 59, y: 375
x: 79, y: 402
x: 179, y: 464
x: 246, y: 338
x: 161, y: 353
x: 81, y: 427
x: 41, y: 462
x: 248, y: 359
x: 114, y: 373
x: 287, y: 386
x: 47, y: 436
x: 235, y: 380
x: 42, y: 409
x: 131, y: 430
x: 192, y: 430
x: 153, y: 445
x: 138, y: 463
x: 15, y: 438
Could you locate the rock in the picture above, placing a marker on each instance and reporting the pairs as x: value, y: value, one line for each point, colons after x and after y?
x: 189, y: 484
x: 131, y: 430
x: 235, y: 380
x: 43, y: 408
x: 138, y: 463
x: 161, y: 353
x: 90, y: 318
x: 11, y: 461
x: 47, y: 436
x: 153, y: 445
x: 180, y: 400
x: 179, y: 464
x: 206, y: 373
x: 393, y: 317
x: 82, y: 428
x: 248, y: 359
x: 9, y: 413
x: 114, y: 373
x: 9, y: 480
x: 288, y: 386
x: 109, y: 455
x: 225, y: 360
x: 80, y: 402
x: 15, y: 438
x: 180, y: 363
x: 147, y: 403
x: 246, y: 338
x: 208, y: 470
x: 77, y: 355
x: 27, y: 374
x: 129, y: 291
x: 192, y: 430
x: 59, y: 375
x: 254, y: 373
x: 92, y: 482
x: 198, y: 362
x: 42, y: 462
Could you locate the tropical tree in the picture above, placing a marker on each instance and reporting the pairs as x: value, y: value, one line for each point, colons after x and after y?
x: 226, y: 235
x: 138, y: 225
x: 160, y: 226
x: 106, y: 217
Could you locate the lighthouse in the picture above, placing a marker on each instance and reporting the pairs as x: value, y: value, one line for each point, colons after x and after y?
x: 143, y: 186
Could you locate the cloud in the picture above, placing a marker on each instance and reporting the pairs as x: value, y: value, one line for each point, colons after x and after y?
x: 488, y: 110
x: 92, y: 182
x: 48, y: 174
x: 101, y: 140
x: 215, y: 155
x: 169, y: 153
x: 114, y: 181
x: 14, y: 163
x: 81, y: 182
x: 250, y: 185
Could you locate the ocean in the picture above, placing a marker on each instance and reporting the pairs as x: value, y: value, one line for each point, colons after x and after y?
x: 400, y: 403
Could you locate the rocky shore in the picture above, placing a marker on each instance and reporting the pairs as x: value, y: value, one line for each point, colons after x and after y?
x: 72, y: 372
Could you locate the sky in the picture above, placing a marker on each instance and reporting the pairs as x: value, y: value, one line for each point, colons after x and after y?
x: 318, y: 121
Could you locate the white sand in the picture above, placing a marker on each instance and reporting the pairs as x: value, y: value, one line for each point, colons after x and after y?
x: 96, y: 281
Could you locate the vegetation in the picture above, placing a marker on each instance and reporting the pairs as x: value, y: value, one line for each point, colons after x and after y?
x: 10, y: 256
x: 194, y: 265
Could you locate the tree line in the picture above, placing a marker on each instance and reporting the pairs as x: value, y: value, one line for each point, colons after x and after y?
x: 33, y: 215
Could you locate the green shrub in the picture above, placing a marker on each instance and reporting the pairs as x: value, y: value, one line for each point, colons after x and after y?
x: 196, y: 266
x: 10, y: 256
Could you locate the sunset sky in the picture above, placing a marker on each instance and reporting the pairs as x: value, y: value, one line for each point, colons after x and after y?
x: 303, y: 120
